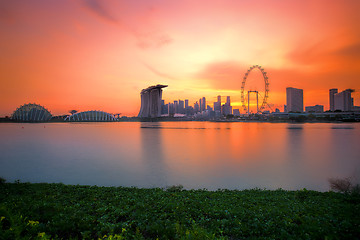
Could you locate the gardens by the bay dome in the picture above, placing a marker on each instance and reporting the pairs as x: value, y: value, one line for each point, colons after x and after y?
x: 91, y: 116
x: 31, y: 113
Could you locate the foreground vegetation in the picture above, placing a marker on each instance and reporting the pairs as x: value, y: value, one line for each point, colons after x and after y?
x: 46, y: 211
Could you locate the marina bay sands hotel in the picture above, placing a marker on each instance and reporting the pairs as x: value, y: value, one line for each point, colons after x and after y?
x: 151, y: 101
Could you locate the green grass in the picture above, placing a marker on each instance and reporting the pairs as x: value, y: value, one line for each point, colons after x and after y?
x: 44, y: 211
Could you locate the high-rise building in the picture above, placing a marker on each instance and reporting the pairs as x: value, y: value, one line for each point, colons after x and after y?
x: 151, y: 101
x: 343, y: 100
x: 332, y: 93
x: 228, y: 100
x: 203, y: 104
x: 217, y: 105
x: 294, y: 100
x: 164, y: 108
x: 186, y: 103
x: 200, y: 105
x: 226, y: 108
x: 171, y: 109
x: 181, y: 106
x: 196, y: 107
x: 176, y: 106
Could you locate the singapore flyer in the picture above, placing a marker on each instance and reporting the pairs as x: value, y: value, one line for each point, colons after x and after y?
x: 261, y: 91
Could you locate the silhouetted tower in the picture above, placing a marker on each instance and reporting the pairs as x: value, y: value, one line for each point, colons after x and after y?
x: 332, y: 93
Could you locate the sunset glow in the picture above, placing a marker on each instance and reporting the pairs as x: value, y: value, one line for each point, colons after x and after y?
x: 98, y: 55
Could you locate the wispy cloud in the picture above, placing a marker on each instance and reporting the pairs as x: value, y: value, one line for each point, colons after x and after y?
x: 152, y: 40
x: 335, y: 54
x: 145, y: 38
x: 222, y: 74
x: 98, y: 9
x: 156, y: 72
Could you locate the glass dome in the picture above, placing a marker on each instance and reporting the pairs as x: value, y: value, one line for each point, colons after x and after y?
x: 91, y: 116
x: 31, y: 113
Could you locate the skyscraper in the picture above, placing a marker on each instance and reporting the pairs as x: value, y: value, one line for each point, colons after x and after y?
x: 181, y: 107
x: 294, y: 100
x: 196, y: 107
x: 151, y: 101
x: 164, y: 108
x: 343, y: 100
x: 217, y: 105
x: 203, y: 104
x: 226, y: 108
x: 228, y: 100
x: 171, y: 109
x: 332, y: 93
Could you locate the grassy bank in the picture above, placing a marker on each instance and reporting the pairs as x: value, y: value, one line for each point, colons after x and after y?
x: 42, y: 211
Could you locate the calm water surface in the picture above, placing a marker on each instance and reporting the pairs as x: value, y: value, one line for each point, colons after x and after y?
x: 194, y: 154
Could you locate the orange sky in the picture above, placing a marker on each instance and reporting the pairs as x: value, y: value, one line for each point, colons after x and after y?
x: 98, y: 55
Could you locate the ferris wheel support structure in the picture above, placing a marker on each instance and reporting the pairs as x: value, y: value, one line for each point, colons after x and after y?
x: 266, y: 95
x: 257, y: 101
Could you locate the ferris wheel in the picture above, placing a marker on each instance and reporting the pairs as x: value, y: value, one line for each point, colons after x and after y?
x: 264, y: 94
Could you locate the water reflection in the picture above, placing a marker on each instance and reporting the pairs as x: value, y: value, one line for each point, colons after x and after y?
x: 152, y: 155
x: 347, y: 138
x: 194, y: 154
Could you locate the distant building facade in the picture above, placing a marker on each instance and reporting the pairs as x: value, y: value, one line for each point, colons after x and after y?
x: 226, y: 108
x: 164, y: 108
x: 151, y: 101
x: 202, y: 104
x: 294, y: 100
x: 196, y: 107
x: 217, y: 106
x: 343, y: 101
x: 316, y: 109
x: 236, y: 112
x: 186, y: 103
x: 181, y: 108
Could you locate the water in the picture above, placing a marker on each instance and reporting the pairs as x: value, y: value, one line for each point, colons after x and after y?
x: 193, y: 154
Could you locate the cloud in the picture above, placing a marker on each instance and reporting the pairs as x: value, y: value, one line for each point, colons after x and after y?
x: 350, y: 54
x: 156, y: 72
x: 330, y: 55
x: 152, y: 40
x: 145, y: 38
x: 222, y: 74
x: 96, y: 8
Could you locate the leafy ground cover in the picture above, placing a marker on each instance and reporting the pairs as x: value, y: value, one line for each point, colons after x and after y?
x: 58, y: 211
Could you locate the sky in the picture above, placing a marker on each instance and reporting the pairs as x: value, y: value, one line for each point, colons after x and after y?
x: 99, y: 55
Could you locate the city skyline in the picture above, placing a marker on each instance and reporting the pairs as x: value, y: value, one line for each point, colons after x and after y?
x: 152, y: 105
x: 98, y: 55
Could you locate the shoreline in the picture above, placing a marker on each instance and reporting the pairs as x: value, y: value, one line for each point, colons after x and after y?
x: 2, y: 120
